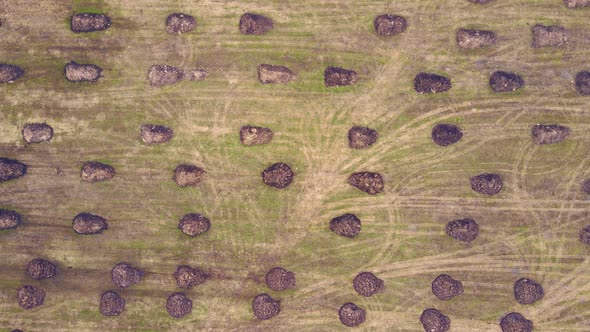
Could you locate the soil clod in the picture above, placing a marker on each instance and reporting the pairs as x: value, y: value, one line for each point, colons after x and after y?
x: 390, y: 25
x: 29, y: 297
x: 527, y: 291
x: 124, y: 275
x: 253, y: 24
x: 180, y: 23
x: 465, y: 230
x: 369, y: 182
x: 434, y: 321
x: 583, y: 82
x: 37, y: 133
x: 265, y: 307
x: 178, y: 305
x: 585, y: 235
x: 473, y: 38
x: 156, y: 134
x: 278, y: 175
x: 351, y: 315
x: 187, y: 277
x: 10, y: 73
x: 88, y: 22
x: 361, y: 137
x: 549, y: 134
x: 161, y: 75
x: 367, y: 284
x: 11, y: 169
x: 549, y: 36
x: 94, y: 171
x: 187, y: 175
x: 40, y: 269
x: 77, y: 72
x: 111, y: 304
x: 9, y: 219
x: 445, y: 287
x: 515, y: 322
x: 272, y: 74
x: 502, y: 81
x: 335, y: 76
x: 279, y: 279
x: 487, y: 183
x: 193, y: 224
x: 253, y: 135
x: 574, y: 4
x: 347, y: 225
x: 88, y: 223
x: 445, y: 134
x: 431, y: 83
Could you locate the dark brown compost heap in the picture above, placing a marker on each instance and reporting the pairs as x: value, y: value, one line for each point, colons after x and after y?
x: 180, y: 23
x: 279, y: 279
x: 9, y: 219
x: 465, y: 230
x: 584, y: 235
x: 253, y: 135
x: 473, y: 38
x: 549, y: 36
x: 549, y: 133
x: 40, y: 269
x: 187, y: 277
x: 11, y: 169
x: 94, y: 171
x: 78, y: 72
x: 445, y: 287
x: 369, y: 182
x: 156, y: 134
x: 503, y: 81
x: 431, y: 83
x: 583, y: 82
x: 10, y: 73
x: 278, y: 175
x: 265, y: 307
x: 273, y: 74
x: 162, y: 75
x: 253, y: 24
x: 347, y: 225
x: 193, y: 224
x: 515, y: 322
x: 389, y: 25
x: 88, y: 223
x: 361, y: 137
x: 367, y: 284
x: 111, y: 304
x: 434, y: 321
x: 574, y: 4
x: 335, y: 76
x: 527, y: 291
x: 37, y: 132
x: 29, y: 297
x: 445, y: 134
x: 351, y: 315
x: 178, y: 305
x: 124, y: 275
x: 88, y: 22
x: 486, y: 183
x: 187, y: 175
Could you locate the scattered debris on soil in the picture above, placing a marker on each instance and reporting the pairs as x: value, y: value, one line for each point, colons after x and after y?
x: 434, y: 321
x: 502, y: 81
x: 367, y: 284
x: 180, y: 23
x: 347, y: 225
x: 178, y: 305
x: 156, y: 134
x: 37, y: 132
x: 94, y: 171
x: 389, y: 25
x: 77, y: 72
x: 124, y: 275
x: 431, y: 83
x: 583, y: 82
x: 10, y: 73
x: 111, y: 304
x: 445, y: 287
x: 195, y: 74
x: 272, y: 74
x: 351, y: 315
x: 40, y: 269
x: 253, y: 135
x: 487, y: 183
x: 549, y: 35
x: 465, y: 230
x: 472, y: 38
x: 187, y: 175
x: 515, y: 322
x: 549, y: 134
x: 361, y: 137
x: 585, y: 235
x: 279, y: 279
x: 88, y: 22
x: 527, y: 291
x: 88, y: 223
x: 335, y: 76
x: 265, y: 307
x: 29, y: 297
x: 193, y: 224
x: 445, y: 134
x: 278, y: 175
x: 161, y: 75
x: 187, y: 277
x: 11, y: 169
x: 253, y: 24
x: 369, y: 182
x: 574, y: 4
x: 9, y: 219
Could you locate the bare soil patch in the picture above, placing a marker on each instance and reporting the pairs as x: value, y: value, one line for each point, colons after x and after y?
x: 180, y: 23
x: 254, y: 135
x: 465, y: 230
x: 445, y: 134
x: 178, y: 305
x: 193, y: 224
x: 273, y: 74
x: 336, y: 76
x: 431, y: 83
x: 347, y: 225
x: 473, y: 38
x: 254, y: 24
x: 187, y: 277
x: 351, y: 315
x: 367, y: 284
x: 279, y: 279
x: 434, y: 321
x: 94, y: 171
x: 88, y: 223
x: 527, y: 291
x: 515, y: 322
x: 29, y: 297
x: 40, y: 269
x: 369, y: 182
x: 9, y: 219
x: 187, y: 175
x: 156, y: 134
x: 503, y: 81
x: 37, y: 132
x: 487, y: 183
x: 361, y: 137
x: 278, y: 175
x: 111, y: 304
x: 124, y: 275
x: 583, y: 82
x: 10, y: 73
x: 77, y: 72
x: 88, y: 22
x: 445, y: 287
x: 390, y: 25
x: 11, y: 169
x: 265, y: 307
x: 549, y: 36
x: 549, y: 134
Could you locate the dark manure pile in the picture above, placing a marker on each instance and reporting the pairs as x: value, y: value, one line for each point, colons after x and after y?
x: 549, y: 36
x: 29, y: 297
x: 77, y: 72
x: 178, y: 305
x: 124, y: 275
x: 527, y: 291
x: 187, y: 277
x: 162, y: 75
x: 575, y: 4
x: 445, y: 134
x: 390, y: 25
x: 583, y: 82
x: 40, y: 269
x: 480, y: 2
x: 367, y: 284
x: 9, y: 219
x: 254, y: 24
x: 369, y: 182
x: 265, y: 307
x: 470, y: 39
x: 187, y: 175
x: 434, y: 321
x: 94, y: 171
x: 254, y: 135
x: 431, y: 83
x: 549, y: 134
x: 585, y: 187
x: 445, y: 287
x: 336, y: 76
x: 515, y: 322
x: 156, y: 134
x: 347, y: 225
x: 486, y: 183
x: 11, y: 169
x: 351, y: 315
x: 88, y: 22
x: 10, y: 73
x: 279, y: 279
x: 464, y: 230
x: 278, y: 175
x: 37, y: 133
x: 273, y: 74
x: 361, y: 137
x: 193, y: 224
x: 88, y: 223
x: 111, y: 304
x: 584, y: 235
x: 180, y: 23
x: 503, y: 81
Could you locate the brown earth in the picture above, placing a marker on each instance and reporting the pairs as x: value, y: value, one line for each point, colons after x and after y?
x: 37, y: 132
x: 367, y: 284
x: 549, y: 134
x: 253, y: 24
x: 487, y: 183
x: 265, y: 307
x: 40, y: 269
x: 278, y: 175
x: 88, y: 223
x: 473, y: 38
x: 515, y: 322
x: 445, y: 287
x: 180, y: 23
x: 156, y: 134
x: 124, y: 275
x: 88, y: 22
x: 434, y: 321
x: 11, y: 169
x: 369, y: 182
x: 10, y: 73
x: 527, y: 291
x: 273, y: 74
x: 465, y: 230
x: 583, y: 82
x: 502, y: 81
x: 335, y: 76
x: 187, y: 277
x: 431, y: 83
x: 111, y: 304
x: 445, y: 134
x: 178, y: 305
x: 279, y: 279
x: 361, y: 137
x: 193, y: 224
x: 29, y: 297
x: 347, y: 225
x: 187, y: 175
x: 549, y: 36
x: 77, y: 72
x: 9, y: 219
x: 94, y: 171
x: 253, y: 135
x: 390, y: 25
x: 351, y: 315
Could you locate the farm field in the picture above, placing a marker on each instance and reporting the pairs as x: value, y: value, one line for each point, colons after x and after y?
x: 530, y: 229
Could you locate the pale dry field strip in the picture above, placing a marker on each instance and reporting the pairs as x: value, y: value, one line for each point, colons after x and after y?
x: 530, y: 229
